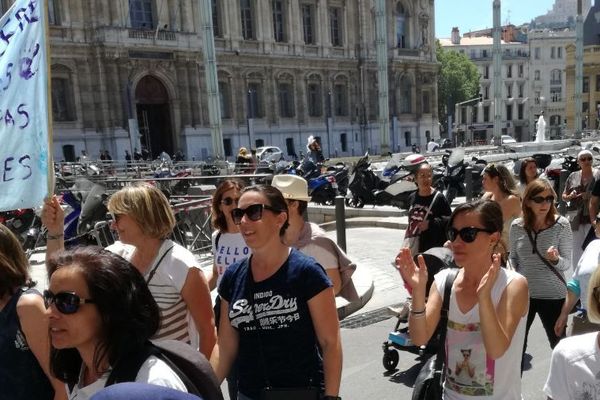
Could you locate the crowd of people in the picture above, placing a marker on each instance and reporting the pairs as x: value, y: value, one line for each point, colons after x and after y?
x: 274, y: 322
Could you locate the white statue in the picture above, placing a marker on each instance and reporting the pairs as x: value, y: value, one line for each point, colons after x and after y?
x: 541, y: 129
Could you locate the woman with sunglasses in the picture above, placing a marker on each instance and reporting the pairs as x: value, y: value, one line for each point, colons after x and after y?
x: 100, y: 314
x: 527, y: 173
x: 540, y: 249
x: 574, y: 367
x: 499, y: 186
x: 24, y: 344
x: 294, y: 341
x: 487, y: 306
x: 577, y: 192
x: 228, y: 246
x: 144, y: 221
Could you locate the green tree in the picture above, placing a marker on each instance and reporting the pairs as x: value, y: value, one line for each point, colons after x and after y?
x: 458, y: 81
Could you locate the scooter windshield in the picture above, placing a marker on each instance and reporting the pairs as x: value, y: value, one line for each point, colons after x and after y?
x: 457, y: 156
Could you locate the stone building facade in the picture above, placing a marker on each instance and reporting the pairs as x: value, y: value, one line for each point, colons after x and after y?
x: 287, y: 65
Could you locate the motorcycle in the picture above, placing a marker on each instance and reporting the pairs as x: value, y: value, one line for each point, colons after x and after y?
x: 452, y: 183
x: 26, y: 224
x: 365, y: 187
x: 552, y: 171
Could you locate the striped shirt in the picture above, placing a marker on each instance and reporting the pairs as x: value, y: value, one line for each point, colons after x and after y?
x: 166, y: 286
x: 543, y: 283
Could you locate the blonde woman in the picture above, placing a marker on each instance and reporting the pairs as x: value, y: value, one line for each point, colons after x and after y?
x: 144, y: 221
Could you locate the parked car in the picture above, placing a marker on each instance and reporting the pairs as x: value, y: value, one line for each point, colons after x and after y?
x: 269, y: 153
x: 506, y: 139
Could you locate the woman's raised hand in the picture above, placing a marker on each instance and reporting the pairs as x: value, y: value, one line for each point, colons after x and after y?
x: 487, y: 281
x: 413, y: 275
x: 552, y: 254
x: 53, y: 216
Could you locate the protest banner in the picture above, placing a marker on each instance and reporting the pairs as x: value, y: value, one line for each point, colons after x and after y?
x: 25, y: 120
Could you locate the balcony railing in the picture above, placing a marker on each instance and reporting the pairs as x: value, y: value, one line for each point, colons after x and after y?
x: 151, y: 34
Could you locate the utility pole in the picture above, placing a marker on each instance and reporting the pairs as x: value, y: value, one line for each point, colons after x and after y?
x: 382, y: 75
x: 212, y: 84
x: 497, y: 82
x: 578, y: 70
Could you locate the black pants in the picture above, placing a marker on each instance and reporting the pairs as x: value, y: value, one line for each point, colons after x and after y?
x: 548, y: 310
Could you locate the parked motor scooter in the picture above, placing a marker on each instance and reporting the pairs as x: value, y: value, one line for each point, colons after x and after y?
x: 365, y: 187
x: 453, y: 182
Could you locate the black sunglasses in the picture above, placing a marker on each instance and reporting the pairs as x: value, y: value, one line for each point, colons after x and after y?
x: 227, y: 201
x: 65, y: 302
x: 540, y: 199
x: 467, y: 235
x: 254, y: 212
x: 586, y: 159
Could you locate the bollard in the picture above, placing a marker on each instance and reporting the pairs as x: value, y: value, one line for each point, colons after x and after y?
x: 469, y: 184
x: 340, y: 222
x: 562, y: 205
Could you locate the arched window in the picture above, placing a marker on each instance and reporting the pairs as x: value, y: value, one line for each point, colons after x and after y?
x: 401, y: 27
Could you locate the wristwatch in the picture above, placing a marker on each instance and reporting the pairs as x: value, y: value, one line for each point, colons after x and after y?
x: 332, y: 398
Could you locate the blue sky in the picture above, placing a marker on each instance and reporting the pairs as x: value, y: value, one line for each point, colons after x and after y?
x: 471, y: 15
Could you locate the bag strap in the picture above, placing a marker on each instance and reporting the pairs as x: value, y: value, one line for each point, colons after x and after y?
x: 443, y: 324
x: 435, y: 196
x: 545, y: 261
x: 151, y: 275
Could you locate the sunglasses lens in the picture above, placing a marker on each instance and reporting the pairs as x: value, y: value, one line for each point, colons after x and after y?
x: 236, y: 215
x: 254, y: 212
x: 468, y: 235
x: 66, y: 303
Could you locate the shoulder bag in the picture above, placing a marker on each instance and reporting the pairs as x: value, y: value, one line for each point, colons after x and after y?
x: 412, y: 242
x: 577, y: 305
x: 430, y: 381
x: 309, y: 392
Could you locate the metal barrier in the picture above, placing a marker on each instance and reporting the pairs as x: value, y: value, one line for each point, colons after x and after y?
x: 193, y: 229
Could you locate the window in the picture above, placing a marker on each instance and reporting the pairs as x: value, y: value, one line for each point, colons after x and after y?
x: 509, y: 115
x: 215, y: 19
x: 536, y: 75
x: 486, y: 113
x: 559, y: 52
x: 473, y: 54
x: 585, y: 107
x: 335, y: 25
x: 586, y: 84
x: 484, y: 53
x: 509, y: 90
x: 474, y: 115
x: 486, y: 72
x: 553, y: 52
x: 405, y: 96
x: 307, y: 24
x: 520, y: 109
x: 227, y: 147
x: 255, y: 109
x: 141, y: 14
x: 597, y: 83
x: 314, y: 102
x: 344, y: 141
x: 53, y: 12
x: 521, y: 69
x: 340, y: 100
x: 286, y: 100
x: 521, y: 88
x: 537, y: 53
x: 225, y: 100
x: 401, y: 27
x: 259, y: 143
x: 278, y: 25
x: 538, y: 95
x: 509, y: 71
x: 62, y: 100
x: 289, y: 145
x: 555, y: 94
x: 247, y: 19
x: 407, y: 141
x: 426, y: 103
x: 486, y: 92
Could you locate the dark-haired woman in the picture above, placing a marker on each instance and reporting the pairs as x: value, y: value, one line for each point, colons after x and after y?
x: 527, y: 173
x: 540, y: 249
x: 24, y: 344
x: 488, y: 304
x: 278, y: 314
x: 100, y: 312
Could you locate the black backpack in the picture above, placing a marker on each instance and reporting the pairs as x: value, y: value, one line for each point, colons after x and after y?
x: 190, y: 365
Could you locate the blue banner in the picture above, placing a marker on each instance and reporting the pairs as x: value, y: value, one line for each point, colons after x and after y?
x: 24, y: 118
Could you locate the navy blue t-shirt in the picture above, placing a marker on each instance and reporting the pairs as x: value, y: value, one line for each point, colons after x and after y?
x: 287, y: 336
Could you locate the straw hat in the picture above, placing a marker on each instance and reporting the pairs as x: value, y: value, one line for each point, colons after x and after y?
x: 293, y: 187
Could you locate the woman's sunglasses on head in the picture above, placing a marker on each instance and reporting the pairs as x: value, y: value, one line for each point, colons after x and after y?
x: 468, y: 235
x: 541, y: 199
x: 65, y: 302
x: 254, y: 212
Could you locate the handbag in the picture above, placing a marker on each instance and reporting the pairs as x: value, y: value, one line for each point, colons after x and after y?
x: 309, y: 392
x: 577, y: 305
x: 430, y: 381
x: 412, y: 242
